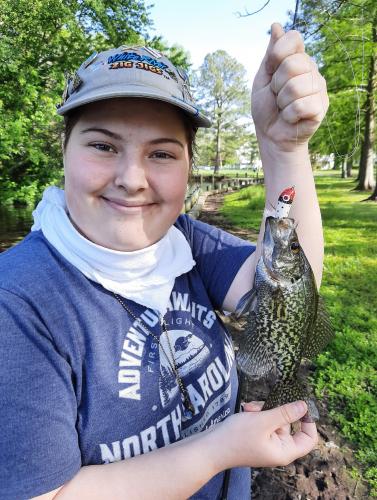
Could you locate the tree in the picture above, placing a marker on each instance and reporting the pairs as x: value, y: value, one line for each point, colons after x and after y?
x: 341, y: 37
x: 40, y: 41
x: 222, y: 91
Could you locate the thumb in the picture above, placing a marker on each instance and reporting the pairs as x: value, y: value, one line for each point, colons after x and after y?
x: 277, y: 32
x: 264, y: 73
x: 286, y: 414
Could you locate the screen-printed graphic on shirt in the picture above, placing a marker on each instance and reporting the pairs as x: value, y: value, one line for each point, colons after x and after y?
x: 145, y: 373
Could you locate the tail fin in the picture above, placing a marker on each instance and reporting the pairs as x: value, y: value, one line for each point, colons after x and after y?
x: 288, y: 391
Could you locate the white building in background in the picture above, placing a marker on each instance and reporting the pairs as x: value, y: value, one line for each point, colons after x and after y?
x: 324, y: 162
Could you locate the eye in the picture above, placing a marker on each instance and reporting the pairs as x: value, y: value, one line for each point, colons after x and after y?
x: 101, y: 146
x: 162, y: 155
x: 295, y: 246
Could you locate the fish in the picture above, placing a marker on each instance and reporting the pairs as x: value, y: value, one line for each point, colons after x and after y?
x: 286, y: 318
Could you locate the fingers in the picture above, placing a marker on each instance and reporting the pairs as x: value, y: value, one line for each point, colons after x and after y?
x: 292, y: 446
x: 285, y: 414
x: 282, y: 46
x: 294, y: 65
x: 306, y: 439
x: 298, y: 87
x: 300, y: 92
x: 252, y: 406
x: 307, y: 108
x: 276, y: 33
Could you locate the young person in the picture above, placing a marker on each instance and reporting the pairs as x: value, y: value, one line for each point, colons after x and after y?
x: 117, y: 378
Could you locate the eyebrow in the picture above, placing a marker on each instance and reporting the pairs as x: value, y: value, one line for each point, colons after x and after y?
x: 103, y: 131
x: 166, y: 139
x: 118, y: 137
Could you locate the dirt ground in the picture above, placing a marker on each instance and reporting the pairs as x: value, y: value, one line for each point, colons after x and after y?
x: 324, y: 473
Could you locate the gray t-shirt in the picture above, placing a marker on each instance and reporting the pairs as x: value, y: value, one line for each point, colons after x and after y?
x: 82, y: 382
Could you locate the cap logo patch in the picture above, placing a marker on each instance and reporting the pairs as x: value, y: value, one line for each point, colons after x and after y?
x: 132, y: 56
x: 139, y: 65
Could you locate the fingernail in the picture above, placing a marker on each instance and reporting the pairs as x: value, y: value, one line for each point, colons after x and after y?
x: 307, y: 419
x: 242, y: 406
x: 300, y: 407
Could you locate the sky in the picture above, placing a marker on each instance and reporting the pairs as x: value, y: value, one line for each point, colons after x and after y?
x: 203, y: 26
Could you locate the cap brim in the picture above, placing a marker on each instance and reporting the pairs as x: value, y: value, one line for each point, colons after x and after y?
x: 194, y: 114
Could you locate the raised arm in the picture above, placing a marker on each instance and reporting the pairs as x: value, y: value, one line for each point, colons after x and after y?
x: 289, y: 101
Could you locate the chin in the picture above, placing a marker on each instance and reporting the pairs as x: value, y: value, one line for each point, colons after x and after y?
x: 128, y: 245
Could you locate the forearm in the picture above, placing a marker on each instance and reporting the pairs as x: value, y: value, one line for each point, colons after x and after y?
x: 282, y: 170
x: 285, y: 169
x: 173, y: 472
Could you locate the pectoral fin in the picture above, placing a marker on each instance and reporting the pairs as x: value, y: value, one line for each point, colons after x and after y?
x: 247, y: 303
x: 321, y: 333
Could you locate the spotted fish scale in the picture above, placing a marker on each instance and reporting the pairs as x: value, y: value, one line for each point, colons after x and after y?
x: 286, y: 318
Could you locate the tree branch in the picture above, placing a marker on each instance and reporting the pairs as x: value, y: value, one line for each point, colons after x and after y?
x: 247, y: 13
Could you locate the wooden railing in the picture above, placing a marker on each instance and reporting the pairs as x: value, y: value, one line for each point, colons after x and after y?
x: 210, y: 184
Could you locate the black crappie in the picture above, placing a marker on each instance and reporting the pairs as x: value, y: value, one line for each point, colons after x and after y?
x: 286, y: 318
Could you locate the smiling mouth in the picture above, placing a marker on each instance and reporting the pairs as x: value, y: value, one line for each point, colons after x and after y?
x: 128, y: 207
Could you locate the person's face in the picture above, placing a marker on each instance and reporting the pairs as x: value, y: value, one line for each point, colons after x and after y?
x: 126, y: 168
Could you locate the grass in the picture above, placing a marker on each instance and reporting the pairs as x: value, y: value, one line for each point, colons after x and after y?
x: 347, y: 371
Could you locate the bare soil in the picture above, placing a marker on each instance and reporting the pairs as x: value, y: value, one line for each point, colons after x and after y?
x: 324, y: 473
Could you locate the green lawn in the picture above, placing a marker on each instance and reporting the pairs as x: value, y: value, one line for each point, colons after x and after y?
x: 347, y: 370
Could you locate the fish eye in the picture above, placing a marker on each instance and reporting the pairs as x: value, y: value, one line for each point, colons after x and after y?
x: 295, y: 246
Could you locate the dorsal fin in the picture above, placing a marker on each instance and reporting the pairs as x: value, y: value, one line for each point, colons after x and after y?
x: 321, y: 333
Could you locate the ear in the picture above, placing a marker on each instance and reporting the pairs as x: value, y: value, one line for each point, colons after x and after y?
x: 62, y: 137
x: 63, y: 154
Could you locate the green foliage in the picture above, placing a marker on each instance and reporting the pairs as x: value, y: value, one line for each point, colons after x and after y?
x: 347, y: 371
x: 177, y: 54
x: 338, y: 35
x: 40, y: 41
x: 221, y: 90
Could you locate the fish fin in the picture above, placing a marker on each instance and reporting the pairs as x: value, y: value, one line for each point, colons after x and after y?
x: 289, y: 391
x: 247, y: 303
x: 253, y: 356
x: 321, y: 333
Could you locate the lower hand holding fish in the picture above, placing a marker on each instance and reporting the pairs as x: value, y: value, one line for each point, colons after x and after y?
x: 263, y: 439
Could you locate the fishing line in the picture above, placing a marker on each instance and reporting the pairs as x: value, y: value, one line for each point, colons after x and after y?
x: 358, y: 109
x: 357, y: 127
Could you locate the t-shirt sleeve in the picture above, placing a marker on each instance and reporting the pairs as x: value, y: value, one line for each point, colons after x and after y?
x: 218, y: 255
x: 38, y: 408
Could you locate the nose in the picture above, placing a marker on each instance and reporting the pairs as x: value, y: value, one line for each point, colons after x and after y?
x: 131, y: 173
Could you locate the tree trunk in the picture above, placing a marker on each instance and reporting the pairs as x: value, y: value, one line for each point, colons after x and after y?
x: 218, y: 161
x: 344, y: 167
x: 349, y: 166
x: 337, y: 162
x: 366, y: 167
x: 373, y: 196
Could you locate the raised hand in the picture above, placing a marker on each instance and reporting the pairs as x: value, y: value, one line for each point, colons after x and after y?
x: 289, y: 97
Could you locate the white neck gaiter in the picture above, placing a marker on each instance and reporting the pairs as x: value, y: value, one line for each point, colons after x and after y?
x: 145, y: 276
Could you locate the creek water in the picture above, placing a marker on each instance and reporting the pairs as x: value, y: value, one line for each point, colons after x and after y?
x: 15, y: 223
